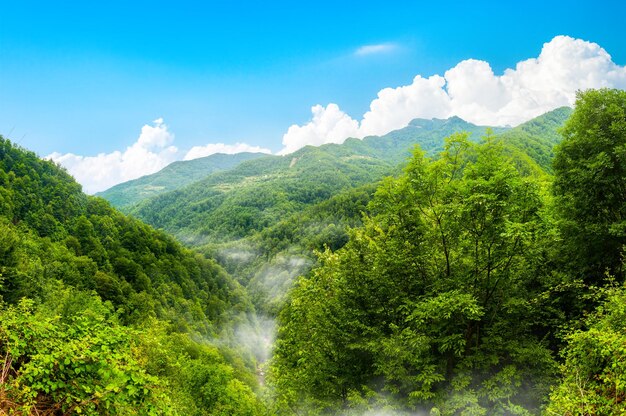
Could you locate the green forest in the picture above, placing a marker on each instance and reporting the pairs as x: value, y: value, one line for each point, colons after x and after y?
x: 441, y: 269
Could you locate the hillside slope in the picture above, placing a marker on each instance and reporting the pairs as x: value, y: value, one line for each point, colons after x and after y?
x: 122, y: 259
x: 268, y: 261
x: 101, y: 314
x: 537, y: 137
x: 256, y: 194
x: 174, y: 176
x: 478, y: 283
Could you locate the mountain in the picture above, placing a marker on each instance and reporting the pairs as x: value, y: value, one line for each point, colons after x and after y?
x: 477, y: 283
x: 121, y: 258
x: 172, y: 177
x: 537, y: 137
x: 267, y: 262
x: 425, y: 292
x: 264, y: 218
x: 257, y: 193
x: 102, y: 314
x: 112, y: 315
x: 396, y: 146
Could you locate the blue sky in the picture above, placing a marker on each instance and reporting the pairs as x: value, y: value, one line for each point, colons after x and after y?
x: 84, y: 77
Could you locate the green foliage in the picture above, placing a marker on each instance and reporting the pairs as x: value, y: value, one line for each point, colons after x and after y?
x: 174, y: 176
x: 82, y: 365
x: 203, y: 382
x: 40, y: 194
x: 455, y: 292
x: 594, y: 372
x: 264, y: 218
x: 71, y: 355
x: 267, y: 262
x: 535, y: 139
x: 97, y: 282
x: 91, y: 246
x: 257, y: 194
x: 590, y: 184
x: 444, y: 289
x: 427, y: 134
x: 431, y: 300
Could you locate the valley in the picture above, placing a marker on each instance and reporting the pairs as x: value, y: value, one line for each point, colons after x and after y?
x: 444, y: 268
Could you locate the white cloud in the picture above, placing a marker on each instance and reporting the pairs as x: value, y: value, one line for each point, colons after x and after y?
x: 375, y: 49
x: 397, y: 106
x: 150, y: 153
x: 473, y: 92
x: 329, y: 125
x: 229, y: 149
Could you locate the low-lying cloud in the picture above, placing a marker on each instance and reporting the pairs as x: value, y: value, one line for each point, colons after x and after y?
x: 473, y: 92
x: 328, y: 125
x: 150, y: 153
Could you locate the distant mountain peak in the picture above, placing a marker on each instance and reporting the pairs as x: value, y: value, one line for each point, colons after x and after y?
x: 172, y: 177
x: 437, y: 122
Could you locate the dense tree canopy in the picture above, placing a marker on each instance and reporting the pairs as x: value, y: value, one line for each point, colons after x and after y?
x: 431, y: 300
x: 472, y: 283
x: 594, y: 372
x: 457, y: 293
x: 83, y: 290
x: 590, y: 183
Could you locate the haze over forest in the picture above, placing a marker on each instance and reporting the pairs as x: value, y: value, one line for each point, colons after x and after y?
x: 413, y: 212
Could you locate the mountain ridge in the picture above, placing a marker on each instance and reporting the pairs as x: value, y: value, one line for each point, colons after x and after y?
x: 174, y: 176
x: 234, y: 203
x: 186, y: 172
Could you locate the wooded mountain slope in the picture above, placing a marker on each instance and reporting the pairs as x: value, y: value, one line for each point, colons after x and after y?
x: 101, y: 314
x: 467, y: 289
x: 174, y: 176
x: 252, y: 196
x: 484, y: 276
x: 255, y: 194
x: 279, y: 243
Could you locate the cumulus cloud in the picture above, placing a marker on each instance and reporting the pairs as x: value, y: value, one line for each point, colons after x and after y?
x: 150, y: 153
x: 229, y: 149
x: 397, y: 106
x: 328, y: 125
x: 473, y: 92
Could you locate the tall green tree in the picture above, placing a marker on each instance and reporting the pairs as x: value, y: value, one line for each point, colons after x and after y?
x: 590, y: 184
x: 431, y: 300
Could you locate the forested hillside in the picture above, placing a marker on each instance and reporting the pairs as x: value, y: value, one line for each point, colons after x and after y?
x: 273, y: 252
x: 268, y: 261
x: 101, y: 314
x: 477, y: 273
x: 467, y: 289
x: 433, y: 295
x: 537, y: 138
x: 252, y: 196
x: 174, y: 176
x: 256, y: 194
